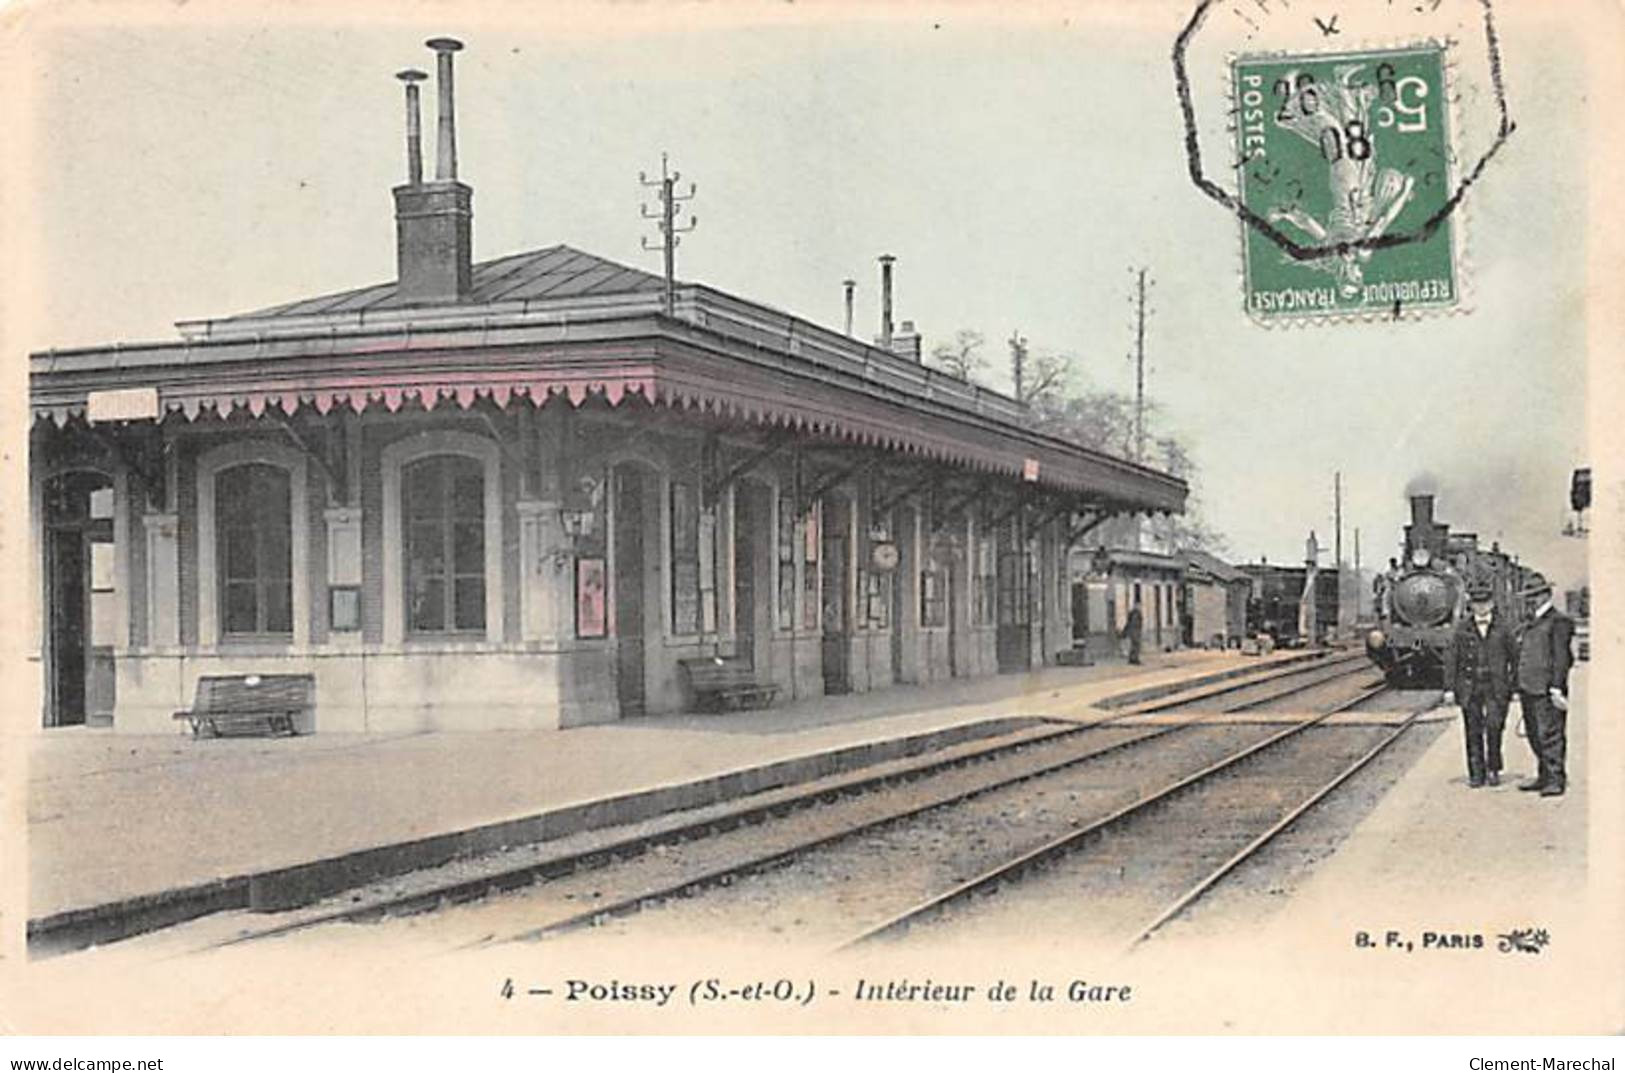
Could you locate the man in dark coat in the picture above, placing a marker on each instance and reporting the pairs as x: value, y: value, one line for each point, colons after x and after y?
x: 1544, y: 660
x: 1479, y: 669
x: 1132, y: 630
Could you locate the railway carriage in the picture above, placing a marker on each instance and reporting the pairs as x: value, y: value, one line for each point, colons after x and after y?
x: 1275, y: 596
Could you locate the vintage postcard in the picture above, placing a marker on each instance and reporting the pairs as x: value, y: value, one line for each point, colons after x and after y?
x: 1052, y: 518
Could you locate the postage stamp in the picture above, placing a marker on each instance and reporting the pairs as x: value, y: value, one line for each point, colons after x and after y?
x: 1346, y: 158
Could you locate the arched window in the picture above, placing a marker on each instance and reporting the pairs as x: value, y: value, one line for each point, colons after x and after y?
x: 254, y: 550
x: 252, y: 544
x: 443, y: 522
x: 443, y: 548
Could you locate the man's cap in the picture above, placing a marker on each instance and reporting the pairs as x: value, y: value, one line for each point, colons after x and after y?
x: 1538, y: 586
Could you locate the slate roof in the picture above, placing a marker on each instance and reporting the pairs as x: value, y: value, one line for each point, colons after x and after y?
x: 554, y: 272
x: 518, y: 332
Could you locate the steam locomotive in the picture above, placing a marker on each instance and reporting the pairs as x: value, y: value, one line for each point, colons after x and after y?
x: 1420, y: 603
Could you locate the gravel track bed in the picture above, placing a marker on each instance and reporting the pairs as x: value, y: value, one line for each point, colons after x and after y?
x: 1261, y: 692
x: 1400, y: 701
x: 672, y: 864
x: 1325, y: 695
x: 825, y: 896
x: 1102, y: 895
x: 1265, y: 883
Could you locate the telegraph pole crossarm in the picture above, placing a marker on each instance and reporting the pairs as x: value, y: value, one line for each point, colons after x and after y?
x: 666, y: 222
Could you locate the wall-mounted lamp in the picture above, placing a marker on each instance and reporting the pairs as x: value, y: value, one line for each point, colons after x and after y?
x: 1100, y: 563
x: 579, y: 516
x: 577, y: 522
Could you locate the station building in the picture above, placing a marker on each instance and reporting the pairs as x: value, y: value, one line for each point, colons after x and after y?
x: 1216, y: 593
x: 516, y: 493
x: 1126, y: 563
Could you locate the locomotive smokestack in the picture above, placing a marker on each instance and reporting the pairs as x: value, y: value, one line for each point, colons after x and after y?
x: 1422, y: 513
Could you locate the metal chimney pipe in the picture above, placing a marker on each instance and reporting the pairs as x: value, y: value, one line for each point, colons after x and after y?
x: 886, y: 261
x: 445, y: 166
x: 849, y: 286
x: 414, y: 125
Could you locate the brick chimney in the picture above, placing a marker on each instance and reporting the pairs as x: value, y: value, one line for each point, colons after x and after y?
x: 905, y: 342
x: 433, y: 220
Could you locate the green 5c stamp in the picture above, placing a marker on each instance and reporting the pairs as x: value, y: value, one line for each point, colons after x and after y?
x: 1345, y: 183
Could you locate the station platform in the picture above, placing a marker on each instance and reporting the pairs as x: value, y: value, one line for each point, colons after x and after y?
x: 1442, y: 909
x: 1438, y: 849
x: 117, y: 818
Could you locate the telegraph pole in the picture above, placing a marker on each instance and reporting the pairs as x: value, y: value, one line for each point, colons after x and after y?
x: 1337, y: 541
x: 1139, y: 365
x: 1359, y: 579
x: 1337, y: 513
x: 1018, y: 361
x: 667, y: 223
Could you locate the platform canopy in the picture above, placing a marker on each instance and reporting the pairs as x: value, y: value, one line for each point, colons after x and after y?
x: 560, y: 325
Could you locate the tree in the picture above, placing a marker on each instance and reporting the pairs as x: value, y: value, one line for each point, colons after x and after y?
x: 1046, y: 379
x: 1191, y: 530
x: 961, y: 358
x: 1093, y: 418
x: 1099, y: 420
x: 1104, y: 421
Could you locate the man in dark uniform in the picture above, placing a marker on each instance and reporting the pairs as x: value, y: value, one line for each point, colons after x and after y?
x: 1478, y: 670
x: 1543, y: 691
x: 1132, y: 630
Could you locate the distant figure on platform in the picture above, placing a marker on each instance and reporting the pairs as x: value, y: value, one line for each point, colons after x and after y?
x: 1478, y: 671
x: 1544, y: 660
x: 1132, y: 630
x: 1384, y: 586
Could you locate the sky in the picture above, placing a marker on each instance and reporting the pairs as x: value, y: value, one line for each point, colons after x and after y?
x: 1020, y: 162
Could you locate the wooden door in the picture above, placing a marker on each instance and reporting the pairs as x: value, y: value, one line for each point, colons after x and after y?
x: 1080, y: 614
x: 80, y: 600
x: 1014, y: 639
x: 629, y: 591
x: 70, y: 627
x: 746, y: 528
x: 837, y: 620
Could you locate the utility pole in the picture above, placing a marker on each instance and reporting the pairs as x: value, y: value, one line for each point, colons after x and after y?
x: 1359, y: 579
x: 1018, y: 361
x: 1337, y: 514
x: 669, y: 231
x: 1308, y: 626
x: 1337, y: 541
x: 1139, y: 365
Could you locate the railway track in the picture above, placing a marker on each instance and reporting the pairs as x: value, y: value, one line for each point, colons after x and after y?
x: 964, y: 819
x: 1232, y: 809
x: 691, y: 854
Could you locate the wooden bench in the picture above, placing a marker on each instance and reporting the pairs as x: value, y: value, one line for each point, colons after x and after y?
x: 720, y: 683
x: 250, y: 705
